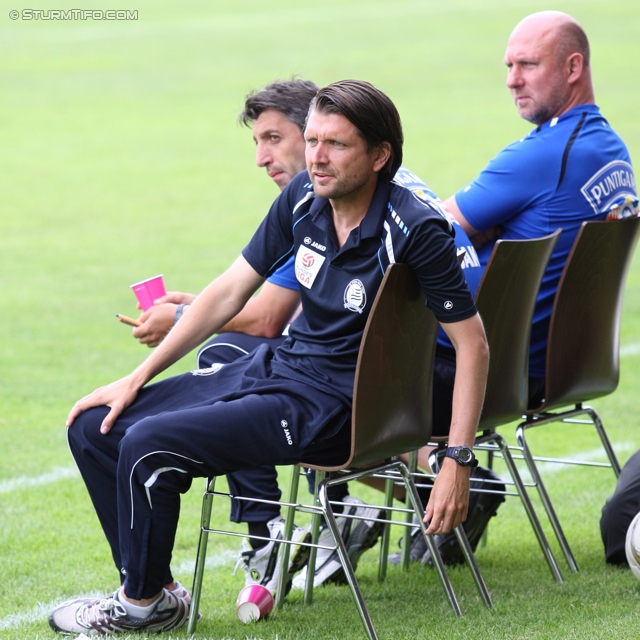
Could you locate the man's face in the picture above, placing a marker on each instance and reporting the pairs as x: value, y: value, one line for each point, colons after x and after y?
x: 338, y: 161
x: 535, y: 77
x: 279, y: 146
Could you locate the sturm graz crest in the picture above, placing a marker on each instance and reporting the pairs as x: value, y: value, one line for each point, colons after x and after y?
x: 355, y: 297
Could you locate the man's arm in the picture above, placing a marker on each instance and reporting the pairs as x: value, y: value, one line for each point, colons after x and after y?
x: 478, y: 238
x: 449, y: 498
x: 214, y: 307
x: 265, y: 315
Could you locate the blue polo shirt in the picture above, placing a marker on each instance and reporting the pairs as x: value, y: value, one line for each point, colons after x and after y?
x: 570, y: 169
x: 338, y: 284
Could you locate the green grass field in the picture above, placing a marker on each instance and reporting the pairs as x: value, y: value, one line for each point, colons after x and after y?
x: 120, y: 159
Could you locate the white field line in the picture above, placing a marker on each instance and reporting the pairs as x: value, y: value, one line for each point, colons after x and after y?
x: 308, y: 14
x: 630, y: 350
x: 597, y: 455
x: 222, y: 559
x: 26, y: 482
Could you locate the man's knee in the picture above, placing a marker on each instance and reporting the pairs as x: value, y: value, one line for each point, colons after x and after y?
x: 85, y: 430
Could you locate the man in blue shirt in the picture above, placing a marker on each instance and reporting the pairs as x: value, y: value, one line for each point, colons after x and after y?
x: 572, y: 167
x: 344, y: 222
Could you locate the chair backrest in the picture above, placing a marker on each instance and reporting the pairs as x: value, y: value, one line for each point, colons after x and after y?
x: 583, y: 346
x: 506, y: 300
x: 392, y: 389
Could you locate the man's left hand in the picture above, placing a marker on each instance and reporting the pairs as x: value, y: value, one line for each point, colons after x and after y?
x: 447, y: 506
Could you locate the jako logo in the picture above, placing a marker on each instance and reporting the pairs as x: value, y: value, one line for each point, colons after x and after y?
x: 284, y: 424
x: 315, y: 245
x: 448, y: 305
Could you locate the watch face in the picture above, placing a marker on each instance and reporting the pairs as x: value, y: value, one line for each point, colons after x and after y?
x: 465, y: 455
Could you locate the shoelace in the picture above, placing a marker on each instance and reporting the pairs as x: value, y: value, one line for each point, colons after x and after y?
x: 244, y: 560
x: 100, y: 611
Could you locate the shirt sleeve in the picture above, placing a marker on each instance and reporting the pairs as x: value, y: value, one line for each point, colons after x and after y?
x: 433, y: 257
x: 510, y: 183
x: 272, y: 244
x: 285, y: 276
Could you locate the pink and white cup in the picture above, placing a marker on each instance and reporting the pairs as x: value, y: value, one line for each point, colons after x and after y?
x: 254, y: 603
x: 149, y: 290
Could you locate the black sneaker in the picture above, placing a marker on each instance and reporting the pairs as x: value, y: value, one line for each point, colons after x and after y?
x: 417, y: 547
x: 482, y: 507
x: 108, y: 615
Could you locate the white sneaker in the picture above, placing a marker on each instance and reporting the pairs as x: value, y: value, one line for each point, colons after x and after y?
x: 358, y: 536
x: 108, y: 615
x: 261, y: 565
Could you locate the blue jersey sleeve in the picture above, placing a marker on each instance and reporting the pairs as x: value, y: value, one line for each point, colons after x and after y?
x: 285, y: 276
x: 506, y: 186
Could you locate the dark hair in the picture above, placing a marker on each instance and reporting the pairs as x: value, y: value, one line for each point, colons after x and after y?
x: 370, y: 111
x: 573, y: 39
x: 289, y: 97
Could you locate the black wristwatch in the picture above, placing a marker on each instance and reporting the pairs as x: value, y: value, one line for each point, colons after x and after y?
x: 462, y: 455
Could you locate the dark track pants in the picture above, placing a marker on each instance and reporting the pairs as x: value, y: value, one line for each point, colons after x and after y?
x: 199, y: 424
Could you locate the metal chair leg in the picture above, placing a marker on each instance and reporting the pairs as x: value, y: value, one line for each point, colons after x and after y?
x: 412, y: 495
x: 604, y: 438
x: 346, y: 563
x: 545, y: 499
x: 315, y: 534
x: 386, y: 531
x: 406, y: 533
x: 467, y: 551
x: 469, y: 556
x: 285, y: 549
x: 196, y: 592
x: 528, y: 506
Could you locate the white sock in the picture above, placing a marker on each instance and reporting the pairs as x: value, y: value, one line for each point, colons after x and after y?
x: 134, y: 610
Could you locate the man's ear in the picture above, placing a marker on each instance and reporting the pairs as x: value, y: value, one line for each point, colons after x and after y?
x: 383, y: 153
x: 574, y: 66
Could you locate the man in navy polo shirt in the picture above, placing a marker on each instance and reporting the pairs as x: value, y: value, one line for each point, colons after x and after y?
x: 344, y: 222
x: 276, y: 115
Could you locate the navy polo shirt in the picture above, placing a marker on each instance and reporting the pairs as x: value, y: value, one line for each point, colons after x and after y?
x: 338, y: 284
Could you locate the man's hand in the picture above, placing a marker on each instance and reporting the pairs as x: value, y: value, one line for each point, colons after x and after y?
x: 158, y: 320
x: 156, y: 323
x: 449, y: 500
x: 118, y: 396
x: 176, y: 297
x: 481, y: 238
